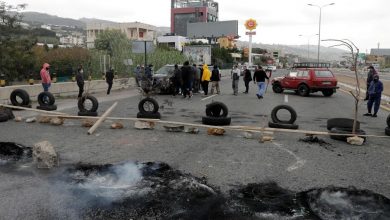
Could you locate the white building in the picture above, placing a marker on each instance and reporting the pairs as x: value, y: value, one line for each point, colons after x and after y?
x: 132, y: 30
x: 47, y: 27
x: 72, y: 40
x: 176, y: 42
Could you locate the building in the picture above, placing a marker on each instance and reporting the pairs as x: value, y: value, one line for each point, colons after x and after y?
x: 74, y: 40
x: 176, y: 42
x: 191, y: 11
x: 132, y: 30
x: 227, y: 42
x: 379, y: 56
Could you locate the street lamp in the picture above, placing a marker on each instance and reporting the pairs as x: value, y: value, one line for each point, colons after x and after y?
x: 319, y: 27
x: 308, y: 43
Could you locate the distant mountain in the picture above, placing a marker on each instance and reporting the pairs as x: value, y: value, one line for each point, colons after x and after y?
x: 95, y: 20
x: 42, y: 18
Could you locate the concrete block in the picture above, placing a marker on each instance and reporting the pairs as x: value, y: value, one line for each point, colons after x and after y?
x: 44, y: 155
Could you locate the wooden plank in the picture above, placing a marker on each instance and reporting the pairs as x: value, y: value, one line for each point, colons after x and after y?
x: 102, y: 118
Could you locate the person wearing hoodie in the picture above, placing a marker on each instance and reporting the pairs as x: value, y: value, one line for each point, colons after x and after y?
x: 215, y: 78
x: 187, y: 76
x: 375, y: 95
x: 370, y: 78
x: 205, y: 79
x: 109, y: 79
x: 80, y: 80
x: 45, y: 77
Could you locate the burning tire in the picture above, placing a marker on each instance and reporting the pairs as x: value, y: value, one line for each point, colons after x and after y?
x: 88, y: 103
x: 20, y: 97
x: 341, y: 123
x: 47, y: 107
x: 217, y: 121
x: 46, y: 99
x: 283, y: 126
x: 147, y: 106
x: 274, y: 114
x: 348, y: 132
x: 216, y: 109
x: 156, y: 115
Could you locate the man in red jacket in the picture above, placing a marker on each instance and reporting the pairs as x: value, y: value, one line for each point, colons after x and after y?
x: 45, y: 77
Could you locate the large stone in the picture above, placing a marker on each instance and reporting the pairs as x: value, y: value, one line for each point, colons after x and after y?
x: 144, y: 125
x: 87, y: 123
x: 216, y: 131
x: 57, y: 121
x: 31, y: 120
x: 174, y: 128
x: 355, y: 140
x: 18, y: 119
x: 117, y: 125
x: 44, y: 155
x: 191, y: 130
x: 44, y: 120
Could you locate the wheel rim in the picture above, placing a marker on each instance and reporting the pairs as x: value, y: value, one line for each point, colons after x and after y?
x: 148, y: 106
x: 277, y: 88
x: 302, y: 90
x: 45, y: 100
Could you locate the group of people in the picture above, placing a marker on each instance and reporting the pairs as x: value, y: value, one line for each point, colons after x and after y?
x: 259, y: 78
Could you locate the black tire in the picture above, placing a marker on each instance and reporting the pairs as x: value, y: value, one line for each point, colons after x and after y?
x: 328, y: 92
x: 217, y: 121
x: 275, y: 118
x: 345, y: 131
x: 387, y: 131
x: 47, y: 107
x: 216, y: 109
x: 156, y: 115
x: 277, y: 88
x: 150, y: 103
x: 388, y: 121
x: 303, y: 90
x: 46, y: 99
x: 82, y: 107
x: 8, y: 112
x: 283, y: 126
x: 3, y: 117
x: 341, y: 123
x: 90, y: 114
x: 22, y: 94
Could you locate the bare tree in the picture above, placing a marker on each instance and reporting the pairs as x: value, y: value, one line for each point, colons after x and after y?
x: 354, y: 53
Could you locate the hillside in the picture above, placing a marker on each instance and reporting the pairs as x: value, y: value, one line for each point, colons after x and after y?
x: 42, y: 18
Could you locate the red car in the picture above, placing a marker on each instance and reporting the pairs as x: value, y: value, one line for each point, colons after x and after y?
x: 306, y: 78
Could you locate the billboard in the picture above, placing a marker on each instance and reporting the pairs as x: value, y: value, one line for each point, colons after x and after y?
x: 198, y: 54
x: 212, y: 29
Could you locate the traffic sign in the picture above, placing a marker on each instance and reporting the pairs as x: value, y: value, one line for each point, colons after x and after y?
x: 250, y: 24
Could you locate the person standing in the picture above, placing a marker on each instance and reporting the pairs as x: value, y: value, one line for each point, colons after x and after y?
x: 235, y: 79
x: 206, y: 75
x: 176, y: 80
x: 259, y: 77
x: 215, y: 78
x: 149, y: 72
x: 138, y: 76
x: 186, y: 75
x: 375, y: 95
x: 80, y: 80
x: 109, y: 79
x: 195, y: 86
x: 370, y: 78
x: 247, y: 79
x: 45, y: 77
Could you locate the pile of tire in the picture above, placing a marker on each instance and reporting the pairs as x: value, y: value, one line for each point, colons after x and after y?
x: 216, y: 114
x: 21, y: 98
x: 6, y: 114
x: 341, y: 126
x: 148, y: 108
x: 88, y: 106
x: 46, y: 101
x: 387, y: 129
x: 284, y: 124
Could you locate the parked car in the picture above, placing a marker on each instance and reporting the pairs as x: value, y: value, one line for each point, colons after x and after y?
x: 162, y: 79
x: 306, y: 78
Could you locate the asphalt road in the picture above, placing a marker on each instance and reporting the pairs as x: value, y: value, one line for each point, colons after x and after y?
x: 225, y: 161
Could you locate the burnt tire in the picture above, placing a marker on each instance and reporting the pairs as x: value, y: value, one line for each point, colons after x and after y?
x: 216, y: 109
x: 148, y: 106
x: 327, y: 92
x: 341, y: 123
x: 303, y: 90
x: 283, y: 126
x: 47, y: 107
x: 22, y: 94
x: 388, y: 121
x: 90, y: 114
x: 46, y: 99
x: 8, y: 112
x: 3, y: 117
x: 277, y: 88
x: 387, y: 131
x: 346, y: 131
x: 274, y: 114
x: 83, y: 108
x: 156, y: 115
x: 217, y: 121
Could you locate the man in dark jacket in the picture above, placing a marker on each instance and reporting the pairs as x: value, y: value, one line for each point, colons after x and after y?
x: 375, y: 95
x: 215, y: 78
x: 187, y: 77
x: 195, y: 84
x: 370, y: 78
x: 109, y: 79
x: 148, y: 72
x: 80, y: 80
x: 176, y: 80
x: 247, y: 79
x: 259, y: 78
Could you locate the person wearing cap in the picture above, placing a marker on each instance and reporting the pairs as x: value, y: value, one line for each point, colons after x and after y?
x: 370, y: 77
x: 375, y: 92
x: 45, y: 77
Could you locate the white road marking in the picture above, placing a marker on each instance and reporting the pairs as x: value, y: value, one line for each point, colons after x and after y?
x: 286, y: 98
x: 299, y: 162
x: 208, y: 97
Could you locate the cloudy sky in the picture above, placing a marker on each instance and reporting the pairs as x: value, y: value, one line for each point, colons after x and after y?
x: 366, y: 23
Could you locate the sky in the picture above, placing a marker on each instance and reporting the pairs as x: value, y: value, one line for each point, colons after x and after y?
x: 366, y: 23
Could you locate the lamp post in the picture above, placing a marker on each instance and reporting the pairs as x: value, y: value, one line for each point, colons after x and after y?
x: 319, y: 27
x: 308, y: 44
